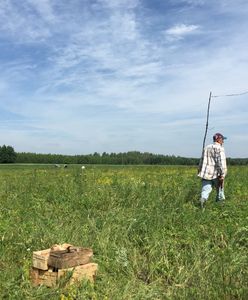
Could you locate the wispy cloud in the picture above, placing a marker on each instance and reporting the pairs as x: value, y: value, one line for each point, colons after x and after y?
x: 22, y: 23
x: 181, y: 30
x: 44, y: 10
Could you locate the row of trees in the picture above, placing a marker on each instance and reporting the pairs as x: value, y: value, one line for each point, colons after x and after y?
x: 126, y: 158
x: 8, y: 155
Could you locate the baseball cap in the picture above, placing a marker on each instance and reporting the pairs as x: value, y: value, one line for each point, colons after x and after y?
x: 219, y: 135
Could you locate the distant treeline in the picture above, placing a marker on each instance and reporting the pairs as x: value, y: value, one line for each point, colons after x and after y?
x: 125, y: 158
x: 8, y: 155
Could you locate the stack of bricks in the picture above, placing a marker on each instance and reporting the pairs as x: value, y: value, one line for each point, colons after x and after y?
x: 51, y: 265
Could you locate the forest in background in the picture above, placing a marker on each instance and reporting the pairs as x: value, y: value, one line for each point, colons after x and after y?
x: 8, y: 155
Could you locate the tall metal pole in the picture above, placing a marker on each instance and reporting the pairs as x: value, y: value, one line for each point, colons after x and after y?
x: 206, y: 130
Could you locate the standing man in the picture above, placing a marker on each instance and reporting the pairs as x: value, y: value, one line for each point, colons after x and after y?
x: 212, y: 169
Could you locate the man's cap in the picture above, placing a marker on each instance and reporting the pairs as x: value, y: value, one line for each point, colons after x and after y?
x: 219, y: 135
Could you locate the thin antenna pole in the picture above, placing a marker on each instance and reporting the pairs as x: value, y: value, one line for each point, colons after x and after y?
x: 206, y: 130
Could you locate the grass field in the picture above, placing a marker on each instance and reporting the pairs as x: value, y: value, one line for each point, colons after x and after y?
x: 149, y: 237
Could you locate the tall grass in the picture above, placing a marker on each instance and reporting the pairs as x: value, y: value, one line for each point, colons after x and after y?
x: 148, y: 235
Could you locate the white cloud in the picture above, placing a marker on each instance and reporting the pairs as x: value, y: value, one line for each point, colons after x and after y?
x: 44, y: 9
x: 180, y: 30
x: 20, y: 24
x: 119, y: 4
x: 194, y: 2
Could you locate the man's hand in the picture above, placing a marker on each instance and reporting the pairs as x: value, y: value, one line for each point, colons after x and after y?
x: 221, y: 181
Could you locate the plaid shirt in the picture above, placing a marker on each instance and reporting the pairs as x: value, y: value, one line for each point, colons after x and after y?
x: 213, y: 162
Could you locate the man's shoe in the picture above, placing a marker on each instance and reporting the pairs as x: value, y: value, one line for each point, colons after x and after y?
x: 220, y: 196
x: 220, y: 201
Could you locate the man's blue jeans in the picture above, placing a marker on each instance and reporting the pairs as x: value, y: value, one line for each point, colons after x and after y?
x: 207, y: 186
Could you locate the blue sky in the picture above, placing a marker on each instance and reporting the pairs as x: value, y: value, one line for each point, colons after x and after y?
x: 85, y: 76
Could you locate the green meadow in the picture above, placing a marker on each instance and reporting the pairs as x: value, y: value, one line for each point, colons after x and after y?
x: 149, y: 237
